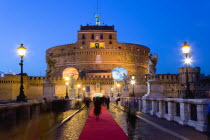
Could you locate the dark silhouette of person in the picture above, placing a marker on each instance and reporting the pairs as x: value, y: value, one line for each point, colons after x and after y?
x: 97, y: 104
x: 107, y: 101
x: 87, y: 102
x: 118, y: 98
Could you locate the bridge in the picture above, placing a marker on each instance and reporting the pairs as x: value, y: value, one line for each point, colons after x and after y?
x: 60, y: 119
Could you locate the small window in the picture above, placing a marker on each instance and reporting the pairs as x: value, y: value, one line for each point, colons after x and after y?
x: 74, y: 47
x: 83, y: 42
x: 110, y: 36
x: 110, y: 42
x: 101, y: 36
x: 119, y: 47
x: 81, y: 47
x: 83, y: 36
x: 78, y: 58
x: 97, y: 45
x: 92, y: 36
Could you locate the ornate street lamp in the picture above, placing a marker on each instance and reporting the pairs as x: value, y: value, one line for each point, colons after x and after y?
x: 133, y: 83
x: 186, y: 52
x: 21, y: 53
x: 67, y: 83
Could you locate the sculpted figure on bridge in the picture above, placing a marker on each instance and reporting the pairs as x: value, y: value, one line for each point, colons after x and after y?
x: 50, y: 65
x: 152, y: 62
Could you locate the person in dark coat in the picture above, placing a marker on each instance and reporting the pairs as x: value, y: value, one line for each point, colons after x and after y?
x: 107, y: 101
x: 97, y: 109
x: 87, y: 102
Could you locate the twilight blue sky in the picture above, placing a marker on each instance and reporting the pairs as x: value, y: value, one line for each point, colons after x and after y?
x: 161, y: 25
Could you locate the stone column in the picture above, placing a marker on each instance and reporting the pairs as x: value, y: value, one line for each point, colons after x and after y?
x: 140, y: 104
x: 146, y: 105
x: 184, y: 112
x: 202, y: 120
x: 154, y: 107
x: 171, y: 109
x: 160, y: 112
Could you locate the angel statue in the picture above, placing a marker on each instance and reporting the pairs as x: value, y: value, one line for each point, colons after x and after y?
x: 152, y: 62
x: 125, y: 81
x: 50, y: 65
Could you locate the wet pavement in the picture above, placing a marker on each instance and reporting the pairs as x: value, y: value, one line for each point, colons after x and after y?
x: 137, y: 129
x: 71, y: 129
x: 32, y: 129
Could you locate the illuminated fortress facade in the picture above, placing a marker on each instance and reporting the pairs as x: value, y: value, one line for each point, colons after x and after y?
x: 97, y: 52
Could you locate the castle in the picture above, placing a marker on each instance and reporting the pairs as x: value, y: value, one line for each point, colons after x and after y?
x: 95, y: 54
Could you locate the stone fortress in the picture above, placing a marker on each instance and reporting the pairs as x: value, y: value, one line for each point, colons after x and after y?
x: 95, y: 54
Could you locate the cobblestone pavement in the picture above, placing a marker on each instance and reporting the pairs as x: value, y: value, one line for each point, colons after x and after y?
x: 72, y: 128
x: 185, y: 131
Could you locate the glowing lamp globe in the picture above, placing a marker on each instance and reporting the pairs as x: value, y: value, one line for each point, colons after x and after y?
x: 186, y: 48
x: 21, y: 50
x: 118, y: 73
x: 188, y: 61
x: 133, y: 82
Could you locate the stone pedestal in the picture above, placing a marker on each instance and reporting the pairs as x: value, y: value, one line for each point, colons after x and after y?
x: 125, y: 93
x: 49, y: 90
x: 72, y: 93
x: 153, y: 89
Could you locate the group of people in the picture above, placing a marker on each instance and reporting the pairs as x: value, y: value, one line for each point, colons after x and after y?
x: 98, y: 101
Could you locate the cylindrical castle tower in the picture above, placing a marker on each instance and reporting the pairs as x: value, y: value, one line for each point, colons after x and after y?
x: 97, y: 51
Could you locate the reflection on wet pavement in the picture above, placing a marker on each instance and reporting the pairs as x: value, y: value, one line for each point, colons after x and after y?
x: 32, y: 129
x: 71, y: 129
x: 137, y: 129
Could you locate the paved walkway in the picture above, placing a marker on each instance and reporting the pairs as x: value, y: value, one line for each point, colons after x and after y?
x: 105, y: 128
x: 171, y: 127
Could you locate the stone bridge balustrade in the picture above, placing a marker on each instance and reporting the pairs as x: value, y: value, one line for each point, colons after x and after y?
x: 192, y: 112
x: 13, y: 113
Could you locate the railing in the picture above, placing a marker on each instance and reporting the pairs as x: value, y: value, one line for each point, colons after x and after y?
x: 13, y: 113
x: 192, y: 112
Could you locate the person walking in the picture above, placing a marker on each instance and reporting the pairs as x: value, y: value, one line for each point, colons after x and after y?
x: 97, y: 109
x: 107, y: 101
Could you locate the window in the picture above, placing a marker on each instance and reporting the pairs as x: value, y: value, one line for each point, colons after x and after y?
x: 97, y: 45
x: 83, y: 36
x: 119, y: 47
x: 92, y: 36
x: 110, y: 36
x: 101, y: 36
x: 83, y: 42
x: 110, y: 42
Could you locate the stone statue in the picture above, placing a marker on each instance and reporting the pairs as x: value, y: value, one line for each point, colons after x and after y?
x: 152, y: 62
x: 125, y: 81
x: 50, y: 65
x: 72, y: 81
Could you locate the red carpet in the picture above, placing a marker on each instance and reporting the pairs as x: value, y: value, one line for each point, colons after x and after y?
x: 105, y: 128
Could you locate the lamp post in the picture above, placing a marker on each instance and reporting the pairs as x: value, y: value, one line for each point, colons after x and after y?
x: 21, y: 53
x: 67, y: 83
x: 118, y: 86
x: 186, y: 52
x: 133, y: 83
x: 83, y: 89
x: 79, y: 86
